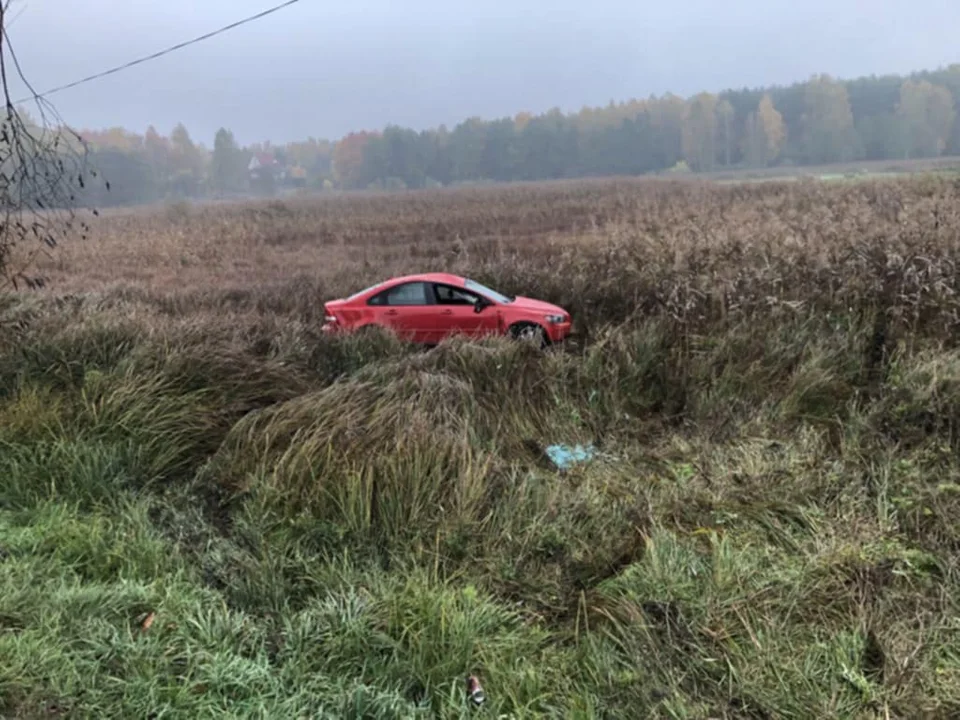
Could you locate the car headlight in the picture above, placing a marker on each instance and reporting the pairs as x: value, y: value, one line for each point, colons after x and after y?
x: 555, y: 318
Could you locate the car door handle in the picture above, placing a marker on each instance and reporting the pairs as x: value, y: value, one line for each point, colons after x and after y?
x: 447, y: 312
x: 391, y: 312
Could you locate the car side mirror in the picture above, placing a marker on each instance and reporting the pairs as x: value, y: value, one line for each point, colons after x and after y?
x: 480, y: 305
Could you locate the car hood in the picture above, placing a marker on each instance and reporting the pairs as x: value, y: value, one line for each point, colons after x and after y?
x: 524, y: 303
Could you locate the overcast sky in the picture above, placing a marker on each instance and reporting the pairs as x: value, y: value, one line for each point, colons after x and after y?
x: 324, y: 67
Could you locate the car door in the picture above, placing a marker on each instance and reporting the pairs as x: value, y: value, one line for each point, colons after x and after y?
x: 407, y: 309
x: 456, y: 313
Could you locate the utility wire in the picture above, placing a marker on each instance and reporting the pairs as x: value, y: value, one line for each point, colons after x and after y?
x: 161, y: 53
x: 15, y: 17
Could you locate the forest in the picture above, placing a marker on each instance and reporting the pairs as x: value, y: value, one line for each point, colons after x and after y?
x: 820, y: 121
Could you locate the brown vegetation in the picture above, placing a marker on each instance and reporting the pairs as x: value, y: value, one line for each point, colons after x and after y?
x: 608, y: 250
x: 348, y: 527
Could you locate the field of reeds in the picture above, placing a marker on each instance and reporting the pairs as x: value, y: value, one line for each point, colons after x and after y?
x: 209, y: 509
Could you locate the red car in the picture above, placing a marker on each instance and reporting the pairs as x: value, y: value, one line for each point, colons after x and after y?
x: 427, y: 308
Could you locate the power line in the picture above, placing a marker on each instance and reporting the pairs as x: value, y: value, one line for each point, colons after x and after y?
x: 16, y: 17
x: 156, y: 55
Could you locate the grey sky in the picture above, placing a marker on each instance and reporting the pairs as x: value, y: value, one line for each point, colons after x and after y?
x: 324, y: 67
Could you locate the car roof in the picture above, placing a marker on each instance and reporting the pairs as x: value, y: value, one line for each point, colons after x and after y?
x: 445, y: 278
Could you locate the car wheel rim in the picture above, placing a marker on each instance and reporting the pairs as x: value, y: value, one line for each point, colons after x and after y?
x: 530, y: 334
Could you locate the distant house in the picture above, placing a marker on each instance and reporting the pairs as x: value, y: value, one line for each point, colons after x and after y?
x: 264, y: 165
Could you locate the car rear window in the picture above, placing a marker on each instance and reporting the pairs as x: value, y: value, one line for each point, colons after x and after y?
x: 414, y: 293
x: 364, y: 291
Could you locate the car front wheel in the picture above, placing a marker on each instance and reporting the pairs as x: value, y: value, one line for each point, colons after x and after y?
x: 529, y: 332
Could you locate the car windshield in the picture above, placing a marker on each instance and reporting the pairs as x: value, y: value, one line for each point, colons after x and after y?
x: 483, y: 290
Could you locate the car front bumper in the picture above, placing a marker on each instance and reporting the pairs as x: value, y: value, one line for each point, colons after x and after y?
x: 558, y: 332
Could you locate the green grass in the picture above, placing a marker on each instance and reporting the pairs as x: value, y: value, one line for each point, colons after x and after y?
x: 347, y: 528
x: 357, y: 549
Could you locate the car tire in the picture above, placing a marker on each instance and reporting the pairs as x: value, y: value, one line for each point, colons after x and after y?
x: 531, y: 333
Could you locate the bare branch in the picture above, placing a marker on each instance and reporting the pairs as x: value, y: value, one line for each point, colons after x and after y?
x: 42, y: 164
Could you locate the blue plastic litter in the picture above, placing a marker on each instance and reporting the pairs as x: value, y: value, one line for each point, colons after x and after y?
x: 564, y: 456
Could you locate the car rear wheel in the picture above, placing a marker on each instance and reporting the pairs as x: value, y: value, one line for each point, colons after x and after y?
x: 531, y: 333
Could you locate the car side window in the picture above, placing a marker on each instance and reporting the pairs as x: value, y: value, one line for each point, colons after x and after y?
x: 414, y: 293
x: 447, y: 295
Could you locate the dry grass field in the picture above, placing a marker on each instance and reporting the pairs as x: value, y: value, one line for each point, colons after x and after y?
x: 209, y: 509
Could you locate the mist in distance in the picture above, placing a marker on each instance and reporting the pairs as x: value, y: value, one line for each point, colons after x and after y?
x: 323, y: 69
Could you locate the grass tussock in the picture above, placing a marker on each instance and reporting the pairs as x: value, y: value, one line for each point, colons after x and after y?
x: 211, y: 508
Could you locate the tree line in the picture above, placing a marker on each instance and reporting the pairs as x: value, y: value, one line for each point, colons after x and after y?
x: 151, y: 167
x: 822, y: 120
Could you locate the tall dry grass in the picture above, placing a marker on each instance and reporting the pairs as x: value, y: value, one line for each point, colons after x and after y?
x: 346, y: 527
x: 610, y: 250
